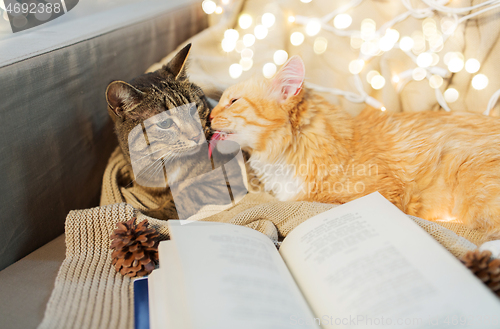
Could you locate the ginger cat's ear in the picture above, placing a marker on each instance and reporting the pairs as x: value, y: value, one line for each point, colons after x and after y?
x: 122, y: 97
x: 289, y: 79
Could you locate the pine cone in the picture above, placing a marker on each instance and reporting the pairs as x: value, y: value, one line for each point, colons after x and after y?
x: 135, y: 248
x: 486, y: 268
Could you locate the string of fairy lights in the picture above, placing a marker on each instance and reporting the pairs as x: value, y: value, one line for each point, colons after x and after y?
x: 423, y: 47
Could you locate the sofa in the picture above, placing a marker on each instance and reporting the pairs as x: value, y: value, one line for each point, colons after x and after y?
x: 57, y: 136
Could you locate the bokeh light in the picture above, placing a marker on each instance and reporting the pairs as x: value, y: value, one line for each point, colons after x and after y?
x: 356, y: 66
x: 248, y: 40
x: 268, y: 20
x: 260, y: 32
x: 245, y: 21
x: 342, y: 21
x: 472, y: 65
x: 313, y: 27
x: 320, y: 45
x: 378, y: 82
x: 208, y: 6
x: 235, y: 71
x: 435, y: 81
x: 296, y: 38
x: 280, y: 57
x: 479, y: 82
x: 269, y: 70
x: 451, y: 95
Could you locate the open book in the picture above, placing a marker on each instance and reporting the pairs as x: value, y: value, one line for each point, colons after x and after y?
x: 363, y: 264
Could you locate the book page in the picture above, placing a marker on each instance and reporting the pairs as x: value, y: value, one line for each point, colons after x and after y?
x: 365, y: 264
x: 235, y: 278
x: 167, y: 302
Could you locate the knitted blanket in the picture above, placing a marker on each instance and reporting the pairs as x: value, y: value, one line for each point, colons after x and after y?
x: 89, y: 293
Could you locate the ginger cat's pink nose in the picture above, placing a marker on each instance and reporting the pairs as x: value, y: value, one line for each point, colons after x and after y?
x: 214, y: 112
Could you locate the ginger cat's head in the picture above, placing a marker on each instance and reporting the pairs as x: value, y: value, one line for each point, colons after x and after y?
x: 252, y: 112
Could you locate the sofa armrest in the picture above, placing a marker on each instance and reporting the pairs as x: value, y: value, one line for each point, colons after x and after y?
x: 56, y: 136
x: 25, y: 286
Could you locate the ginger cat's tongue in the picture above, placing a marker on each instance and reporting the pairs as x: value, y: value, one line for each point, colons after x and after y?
x: 218, y: 136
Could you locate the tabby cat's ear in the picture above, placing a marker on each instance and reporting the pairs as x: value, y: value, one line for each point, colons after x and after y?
x: 177, y: 66
x: 289, y: 79
x: 122, y: 97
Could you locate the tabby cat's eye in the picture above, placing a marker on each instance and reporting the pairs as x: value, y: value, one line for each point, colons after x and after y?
x: 165, y: 124
x: 232, y: 101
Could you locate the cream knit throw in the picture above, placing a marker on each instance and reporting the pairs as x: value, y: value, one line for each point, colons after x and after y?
x: 88, y: 293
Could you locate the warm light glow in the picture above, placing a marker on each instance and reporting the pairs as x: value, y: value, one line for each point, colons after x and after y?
x: 429, y: 27
x: 472, y: 65
x: 231, y: 34
x: 392, y: 35
x: 342, y: 21
x: 370, y: 75
x: 246, y: 64
x: 291, y: 19
x: 378, y: 82
x: 268, y: 20
x: 452, y: 55
x: 479, y: 82
x: 228, y: 45
x: 389, y: 39
x: 447, y: 25
x: 269, y: 70
x: 435, y: 81
x: 313, y: 27
x: 208, y: 6
x: 395, y: 78
x: 280, y: 57
x: 418, y: 42
x: 451, y: 95
x: 356, y: 66
x: 383, y: 109
x: 436, y: 42
x: 246, y: 53
x: 320, y: 45
x: 245, y: 21
x: 370, y: 48
x: 240, y: 45
x: 248, y: 40
x: 455, y: 65
x: 424, y: 60
x: 419, y: 74
x: 305, y: 1
x: 235, y: 71
x: 368, y: 28
x: 296, y: 38
x: 406, y: 43
x: 385, y: 43
x: 224, y: 2
x: 356, y: 41
x: 218, y: 10
x: 260, y: 32
x: 435, y: 59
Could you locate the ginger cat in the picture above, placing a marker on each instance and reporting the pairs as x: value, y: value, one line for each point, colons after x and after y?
x: 434, y: 165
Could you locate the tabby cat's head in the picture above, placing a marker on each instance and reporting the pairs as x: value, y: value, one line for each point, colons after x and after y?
x: 159, y: 115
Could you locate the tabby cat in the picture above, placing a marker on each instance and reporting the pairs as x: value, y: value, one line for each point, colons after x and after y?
x: 161, y: 123
x: 434, y: 165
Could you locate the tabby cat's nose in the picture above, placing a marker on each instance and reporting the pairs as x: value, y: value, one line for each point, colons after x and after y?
x: 196, y: 139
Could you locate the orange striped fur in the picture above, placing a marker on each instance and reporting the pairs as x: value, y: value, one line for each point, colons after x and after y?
x: 434, y: 165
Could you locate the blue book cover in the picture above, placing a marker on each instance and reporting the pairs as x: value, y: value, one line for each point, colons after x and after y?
x: 141, y: 303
